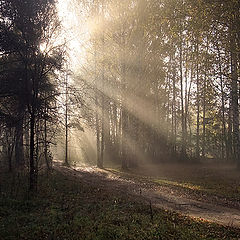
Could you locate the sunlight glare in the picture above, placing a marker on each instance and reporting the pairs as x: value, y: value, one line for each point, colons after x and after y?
x: 76, y: 36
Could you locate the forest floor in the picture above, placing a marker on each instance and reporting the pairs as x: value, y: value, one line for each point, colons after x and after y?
x: 208, y: 192
x: 168, y: 201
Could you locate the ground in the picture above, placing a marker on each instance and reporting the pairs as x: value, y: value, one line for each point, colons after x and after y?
x: 207, y: 192
x: 88, y: 203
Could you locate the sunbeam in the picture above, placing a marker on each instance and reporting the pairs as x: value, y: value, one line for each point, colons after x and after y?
x: 114, y: 113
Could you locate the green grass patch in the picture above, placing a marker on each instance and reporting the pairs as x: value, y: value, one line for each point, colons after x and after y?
x: 214, y: 187
x: 66, y: 208
x: 203, y: 181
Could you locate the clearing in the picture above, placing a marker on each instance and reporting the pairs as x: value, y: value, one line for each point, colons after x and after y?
x: 91, y: 204
x: 206, y: 192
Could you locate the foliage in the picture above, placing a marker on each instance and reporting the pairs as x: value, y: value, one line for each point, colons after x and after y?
x: 163, y: 75
x: 32, y: 55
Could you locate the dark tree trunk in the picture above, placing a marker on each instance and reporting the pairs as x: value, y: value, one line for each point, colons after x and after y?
x: 198, y: 105
x: 32, y: 165
x: 66, y: 122
x: 124, y: 139
x: 224, y: 135
x: 98, y: 138
x: 100, y: 164
x: 183, y: 150
x: 19, y: 155
x: 235, y: 93
x: 204, y: 116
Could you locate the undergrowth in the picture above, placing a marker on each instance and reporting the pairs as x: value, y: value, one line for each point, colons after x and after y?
x: 65, y: 208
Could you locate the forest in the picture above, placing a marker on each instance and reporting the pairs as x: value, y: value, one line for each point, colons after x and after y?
x: 119, y: 119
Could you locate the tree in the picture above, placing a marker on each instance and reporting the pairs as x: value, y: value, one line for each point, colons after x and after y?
x: 167, y: 81
x: 28, y: 34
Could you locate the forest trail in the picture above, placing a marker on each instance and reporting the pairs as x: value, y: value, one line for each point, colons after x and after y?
x: 189, y: 203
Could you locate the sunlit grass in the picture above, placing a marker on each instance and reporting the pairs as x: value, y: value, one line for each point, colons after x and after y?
x: 211, y: 183
x: 69, y: 209
x: 178, y: 184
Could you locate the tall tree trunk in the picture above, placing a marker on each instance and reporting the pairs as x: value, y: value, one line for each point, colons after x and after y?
x: 98, y: 140
x: 10, y: 142
x: 19, y: 155
x: 183, y: 150
x: 235, y: 93
x: 100, y: 165
x: 124, y: 123
x: 230, y: 136
x: 46, y: 145
x: 103, y: 121
x: 45, y: 139
x: 108, y: 140
x: 198, y: 105
x: 124, y: 113
x: 32, y: 165
x: 224, y: 136
x: 204, y: 115
x: 186, y: 106
x: 98, y: 136
x: 204, y: 103
x: 66, y: 121
x: 174, y: 115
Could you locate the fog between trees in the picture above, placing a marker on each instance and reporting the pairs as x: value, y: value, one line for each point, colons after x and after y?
x: 157, y: 81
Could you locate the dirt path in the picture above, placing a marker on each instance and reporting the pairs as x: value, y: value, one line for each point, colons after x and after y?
x: 160, y: 196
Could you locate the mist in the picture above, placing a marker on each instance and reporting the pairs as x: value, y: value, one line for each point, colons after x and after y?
x: 154, y: 79
x: 119, y: 119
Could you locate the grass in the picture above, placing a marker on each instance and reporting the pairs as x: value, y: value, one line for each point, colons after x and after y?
x: 178, y: 184
x: 222, y: 181
x: 68, y: 209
